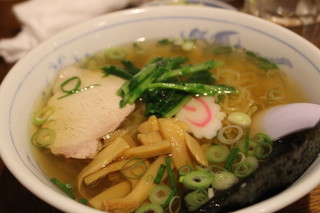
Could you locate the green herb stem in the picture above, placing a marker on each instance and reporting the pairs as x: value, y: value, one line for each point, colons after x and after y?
x: 160, y: 174
x: 229, y: 162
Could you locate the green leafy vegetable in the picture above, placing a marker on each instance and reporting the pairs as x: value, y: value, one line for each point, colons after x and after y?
x: 114, y: 70
x: 261, y: 62
x: 166, y: 84
x: 196, y: 88
x: 186, y: 70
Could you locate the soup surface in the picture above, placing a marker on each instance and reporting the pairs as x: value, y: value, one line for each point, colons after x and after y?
x: 253, y: 83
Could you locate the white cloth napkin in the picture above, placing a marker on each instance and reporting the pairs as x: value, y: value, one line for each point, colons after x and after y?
x: 41, y: 19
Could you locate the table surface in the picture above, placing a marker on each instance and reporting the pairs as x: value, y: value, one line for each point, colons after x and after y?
x: 16, y: 198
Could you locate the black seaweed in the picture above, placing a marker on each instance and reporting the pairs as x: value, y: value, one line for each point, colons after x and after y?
x: 291, y: 156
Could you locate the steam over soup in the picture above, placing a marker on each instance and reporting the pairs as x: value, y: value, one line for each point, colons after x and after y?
x: 144, y: 126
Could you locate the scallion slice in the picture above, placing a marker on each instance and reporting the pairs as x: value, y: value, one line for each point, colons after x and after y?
x: 223, y: 180
x: 94, y: 62
x: 175, y: 204
x: 249, y: 145
x: 243, y: 169
x: 68, y: 81
x: 198, y: 179
x: 196, y: 199
x: 216, y: 168
x: 43, y: 137
x: 134, y: 168
x: 184, y: 170
x: 263, y: 150
x: 116, y: 54
x: 172, y: 194
x: 217, y: 153
x: 262, y: 137
x: 43, y: 115
x: 159, y: 194
x: 170, y: 172
x: 151, y: 207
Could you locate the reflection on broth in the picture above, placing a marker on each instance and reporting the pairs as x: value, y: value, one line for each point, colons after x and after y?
x: 204, y: 139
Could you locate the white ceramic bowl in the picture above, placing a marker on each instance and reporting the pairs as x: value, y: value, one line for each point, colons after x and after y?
x: 31, y: 75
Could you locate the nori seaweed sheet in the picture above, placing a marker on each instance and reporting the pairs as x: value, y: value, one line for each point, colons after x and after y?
x: 290, y: 158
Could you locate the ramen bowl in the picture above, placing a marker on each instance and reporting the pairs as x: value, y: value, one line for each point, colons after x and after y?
x: 30, y: 76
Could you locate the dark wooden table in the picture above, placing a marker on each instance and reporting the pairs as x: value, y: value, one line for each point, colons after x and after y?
x: 14, y: 198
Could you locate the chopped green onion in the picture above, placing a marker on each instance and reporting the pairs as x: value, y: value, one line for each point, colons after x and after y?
x: 187, y: 45
x: 63, y: 187
x: 170, y: 172
x: 199, y: 167
x: 43, y: 137
x: 223, y: 138
x: 43, y: 115
x: 151, y: 207
x: 261, y: 62
x: 116, y: 54
x: 261, y: 137
x: 231, y: 158
x: 243, y: 169
x: 172, y: 194
x: 174, y: 205
x: 184, y: 170
x: 239, y: 118
x: 159, y: 194
x: 66, y: 82
x: 198, y: 179
x: 240, y: 157
x: 223, y: 180
x: 215, y: 168
x: 196, y: 199
x: 250, y: 149
x: 79, y: 90
x: 134, y: 168
x: 263, y: 150
x: 217, y: 153
x: 94, y: 62
x: 254, y: 162
x: 160, y: 173
x: 69, y: 186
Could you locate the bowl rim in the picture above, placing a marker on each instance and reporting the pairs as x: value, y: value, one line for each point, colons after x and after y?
x: 60, y: 201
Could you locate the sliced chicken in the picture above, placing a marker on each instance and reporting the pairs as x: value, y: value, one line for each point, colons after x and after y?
x: 80, y: 118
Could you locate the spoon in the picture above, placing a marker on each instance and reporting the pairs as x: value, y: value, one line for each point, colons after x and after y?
x: 282, y: 120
